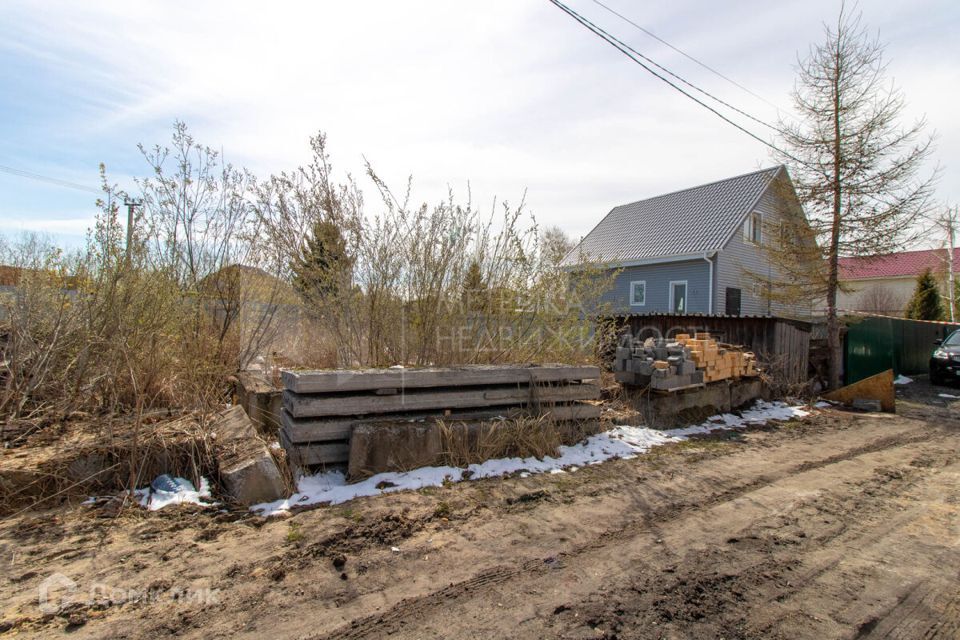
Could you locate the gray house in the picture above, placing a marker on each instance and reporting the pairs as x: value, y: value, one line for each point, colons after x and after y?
x: 691, y: 251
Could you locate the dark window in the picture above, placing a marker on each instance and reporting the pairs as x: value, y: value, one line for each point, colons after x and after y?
x: 733, y: 301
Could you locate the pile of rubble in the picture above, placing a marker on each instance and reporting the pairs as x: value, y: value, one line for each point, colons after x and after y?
x: 679, y: 363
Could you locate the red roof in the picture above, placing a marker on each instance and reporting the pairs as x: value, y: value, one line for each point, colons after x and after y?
x: 897, y: 265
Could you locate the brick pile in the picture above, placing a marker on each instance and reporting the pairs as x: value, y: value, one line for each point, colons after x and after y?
x: 681, y: 362
x: 718, y: 361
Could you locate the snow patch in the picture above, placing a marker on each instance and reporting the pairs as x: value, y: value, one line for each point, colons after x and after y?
x: 947, y: 395
x: 902, y: 379
x: 620, y: 442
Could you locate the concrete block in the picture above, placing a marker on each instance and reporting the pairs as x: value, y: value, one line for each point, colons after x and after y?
x: 260, y: 399
x: 399, y: 446
x: 248, y: 471
x: 391, y: 447
x: 745, y: 392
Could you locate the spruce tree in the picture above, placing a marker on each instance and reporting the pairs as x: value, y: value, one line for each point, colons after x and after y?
x: 321, y: 271
x: 925, y: 303
x: 474, y: 289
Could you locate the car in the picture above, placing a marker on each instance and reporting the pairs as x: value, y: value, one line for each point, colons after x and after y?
x: 945, y: 360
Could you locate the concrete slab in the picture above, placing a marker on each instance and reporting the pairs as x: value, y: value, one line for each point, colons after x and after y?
x: 248, y: 471
x: 260, y: 399
x: 694, y: 405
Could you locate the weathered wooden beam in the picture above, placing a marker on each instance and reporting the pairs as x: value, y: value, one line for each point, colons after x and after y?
x: 303, y: 406
x: 301, y: 430
x: 337, y: 380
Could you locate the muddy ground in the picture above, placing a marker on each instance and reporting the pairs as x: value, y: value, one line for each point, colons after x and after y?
x: 839, y: 525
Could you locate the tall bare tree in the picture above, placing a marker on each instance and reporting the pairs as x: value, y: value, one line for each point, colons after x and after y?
x: 855, y: 167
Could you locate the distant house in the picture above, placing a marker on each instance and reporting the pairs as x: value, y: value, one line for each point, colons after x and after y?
x: 691, y: 251
x: 884, y: 284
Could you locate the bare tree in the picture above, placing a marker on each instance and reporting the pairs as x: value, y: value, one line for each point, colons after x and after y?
x: 854, y: 167
x: 555, y: 244
x: 880, y: 300
x: 201, y: 230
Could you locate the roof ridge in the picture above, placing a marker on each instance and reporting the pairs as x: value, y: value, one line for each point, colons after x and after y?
x: 700, y: 186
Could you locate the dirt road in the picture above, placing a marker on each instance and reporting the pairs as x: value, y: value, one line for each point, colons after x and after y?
x: 836, y: 526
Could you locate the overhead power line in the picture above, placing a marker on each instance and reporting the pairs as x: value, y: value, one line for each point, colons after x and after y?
x: 639, y: 59
x: 687, y: 55
x: 54, y: 181
x: 665, y: 70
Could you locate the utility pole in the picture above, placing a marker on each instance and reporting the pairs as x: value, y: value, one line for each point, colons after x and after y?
x: 950, y: 223
x: 132, y: 203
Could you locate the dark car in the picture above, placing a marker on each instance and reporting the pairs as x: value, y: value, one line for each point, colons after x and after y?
x: 945, y: 361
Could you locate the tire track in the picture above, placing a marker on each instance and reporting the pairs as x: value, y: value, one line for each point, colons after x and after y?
x: 412, y: 608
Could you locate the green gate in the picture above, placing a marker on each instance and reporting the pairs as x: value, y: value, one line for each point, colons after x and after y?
x: 876, y: 343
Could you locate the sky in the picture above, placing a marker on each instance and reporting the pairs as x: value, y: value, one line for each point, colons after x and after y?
x: 506, y: 98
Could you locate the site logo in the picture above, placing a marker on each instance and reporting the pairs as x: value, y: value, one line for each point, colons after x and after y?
x: 55, y: 592
x: 58, y: 592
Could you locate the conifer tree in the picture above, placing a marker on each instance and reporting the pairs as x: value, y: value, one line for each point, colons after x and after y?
x: 925, y: 303
x: 322, y: 271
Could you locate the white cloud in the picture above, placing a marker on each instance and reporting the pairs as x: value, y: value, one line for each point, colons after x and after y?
x: 505, y: 94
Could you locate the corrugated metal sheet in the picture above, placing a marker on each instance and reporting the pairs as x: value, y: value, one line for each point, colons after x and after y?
x: 694, y: 220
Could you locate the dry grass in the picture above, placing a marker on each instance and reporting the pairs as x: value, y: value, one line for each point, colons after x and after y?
x: 469, y: 443
x: 76, y: 460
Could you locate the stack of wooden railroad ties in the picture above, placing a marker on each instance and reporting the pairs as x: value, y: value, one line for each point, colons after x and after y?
x: 683, y: 362
x: 323, y: 409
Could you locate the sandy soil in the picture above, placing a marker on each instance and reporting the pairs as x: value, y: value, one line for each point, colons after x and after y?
x: 839, y: 525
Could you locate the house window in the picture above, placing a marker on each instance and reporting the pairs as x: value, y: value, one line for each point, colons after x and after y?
x: 638, y: 293
x: 753, y: 228
x: 678, y: 296
x: 733, y: 301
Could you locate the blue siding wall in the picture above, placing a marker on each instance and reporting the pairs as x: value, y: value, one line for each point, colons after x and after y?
x: 740, y: 262
x: 658, y: 277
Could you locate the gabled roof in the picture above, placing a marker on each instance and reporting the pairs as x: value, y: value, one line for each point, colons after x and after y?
x: 897, y: 265
x: 695, y: 220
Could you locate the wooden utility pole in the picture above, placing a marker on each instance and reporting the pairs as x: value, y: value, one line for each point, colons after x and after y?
x: 132, y: 203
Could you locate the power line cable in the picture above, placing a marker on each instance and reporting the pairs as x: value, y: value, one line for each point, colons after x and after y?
x: 626, y: 50
x: 690, y: 57
x: 685, y: 81
x: 54, y: 181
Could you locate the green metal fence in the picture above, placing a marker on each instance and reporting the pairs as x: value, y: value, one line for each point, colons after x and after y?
x: 875, y: 343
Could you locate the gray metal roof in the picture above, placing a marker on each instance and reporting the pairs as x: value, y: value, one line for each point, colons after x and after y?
x: 695, y: 220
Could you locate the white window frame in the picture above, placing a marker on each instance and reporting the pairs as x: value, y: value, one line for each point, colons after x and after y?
x: 643, y: 283
x: 686, y: 296
x: 754, y: 223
